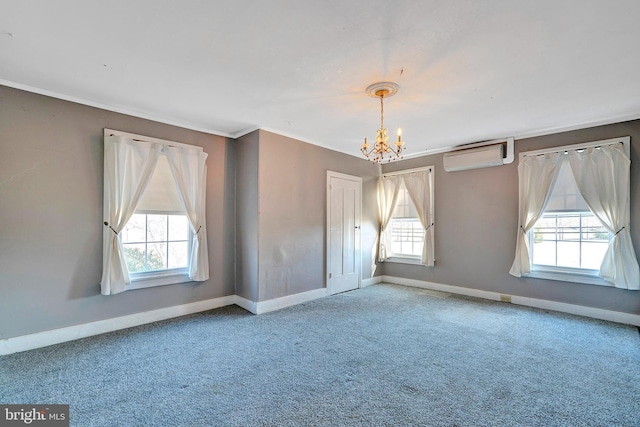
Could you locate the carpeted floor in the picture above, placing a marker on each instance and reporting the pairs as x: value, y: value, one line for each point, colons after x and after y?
x: 385, y: 355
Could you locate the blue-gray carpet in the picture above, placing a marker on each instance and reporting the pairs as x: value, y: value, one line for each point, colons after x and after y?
x: 381, y: 356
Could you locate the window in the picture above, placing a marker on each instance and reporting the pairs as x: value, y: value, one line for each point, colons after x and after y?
x: 573, y: 215
x: 407, y: 233
x: 154, y: 213
x: 156, y: 238
x: 568, y: 238
x: 406, y: 206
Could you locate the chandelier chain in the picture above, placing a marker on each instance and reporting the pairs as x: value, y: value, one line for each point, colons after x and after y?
x: 382, y: 111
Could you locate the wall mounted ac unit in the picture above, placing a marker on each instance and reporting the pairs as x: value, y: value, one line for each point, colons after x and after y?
x: 481, y: 157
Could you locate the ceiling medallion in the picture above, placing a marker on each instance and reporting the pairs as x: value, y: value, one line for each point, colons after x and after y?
x: 381, y: 148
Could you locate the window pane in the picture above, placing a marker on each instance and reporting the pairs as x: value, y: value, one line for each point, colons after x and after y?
x: 135, y: 256
x: 591, y: 221
x: 544, y: 253
x: 592, y: 254
x: 405, y: 248
x: 156, y: 228
x: 544, y: 234
x: 134, y: 231
x: 407, y: 236
x: 569, y: 254
x: 569, y: 228
x: 178, y: 227
x: 579, y: 239
x: 547, y: 221
x: 157, y: 256
x: 157, y: 253
x: 418, y: 238
x: 593, y: 230
x: 178, y: 254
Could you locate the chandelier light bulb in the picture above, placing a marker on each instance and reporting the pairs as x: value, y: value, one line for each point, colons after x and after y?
x: 399, y: 142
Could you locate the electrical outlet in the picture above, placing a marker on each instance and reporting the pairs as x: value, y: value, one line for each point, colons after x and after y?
x: 505, y: 298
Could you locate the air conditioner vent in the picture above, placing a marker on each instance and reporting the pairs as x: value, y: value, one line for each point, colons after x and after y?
x: 473, y: 158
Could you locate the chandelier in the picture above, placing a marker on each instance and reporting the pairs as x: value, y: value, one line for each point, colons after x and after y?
x: 382, y: 148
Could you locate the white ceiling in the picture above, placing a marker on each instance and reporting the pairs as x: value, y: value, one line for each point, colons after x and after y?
x: 468, y: 70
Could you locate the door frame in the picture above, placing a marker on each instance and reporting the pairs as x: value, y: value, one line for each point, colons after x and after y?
x: 358, y: 180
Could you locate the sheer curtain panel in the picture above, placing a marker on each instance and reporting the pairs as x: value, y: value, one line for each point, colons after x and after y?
x: 189, y: 169
x: 419, y: 189
x: 602, y: 176
x: 388, y: 188
x: 536, y: 175
x: 128, y: 167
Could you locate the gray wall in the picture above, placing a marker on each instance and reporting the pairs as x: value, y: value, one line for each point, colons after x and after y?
x: 247, y: 216
x: 292, y: 213
x: 51, y: 178
x: 51, y: 174
x: 229, y: 221
x: 476, y: 216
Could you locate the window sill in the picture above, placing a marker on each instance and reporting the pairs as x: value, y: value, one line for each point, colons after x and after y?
x: 404, y: 260
x: 566, y: 277
x: 147, y: 281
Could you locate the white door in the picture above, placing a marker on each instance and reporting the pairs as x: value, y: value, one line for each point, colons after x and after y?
x: 343, y: 232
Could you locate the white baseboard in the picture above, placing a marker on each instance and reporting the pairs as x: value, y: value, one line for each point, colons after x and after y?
x: 56, y: 336
x: 70, y: 333
x: 250, y: 306
x: 371, y: 281
x: 289, y: 300
x: 596, y: 313
x: 441, y: 287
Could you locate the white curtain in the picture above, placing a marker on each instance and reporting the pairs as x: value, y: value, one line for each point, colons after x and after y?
x: 419, y: 189
x: 128, y: 167
x: 536, y: 176
x: 388, y: 189
x: 189, y: 170
x: 602, y: 175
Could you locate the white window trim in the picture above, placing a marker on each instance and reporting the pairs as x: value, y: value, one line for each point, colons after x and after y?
x: 412, y: 259
x: 150, y: 279
x: 166, y: 277
x: 565, y: 275
x: 405, y: 259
